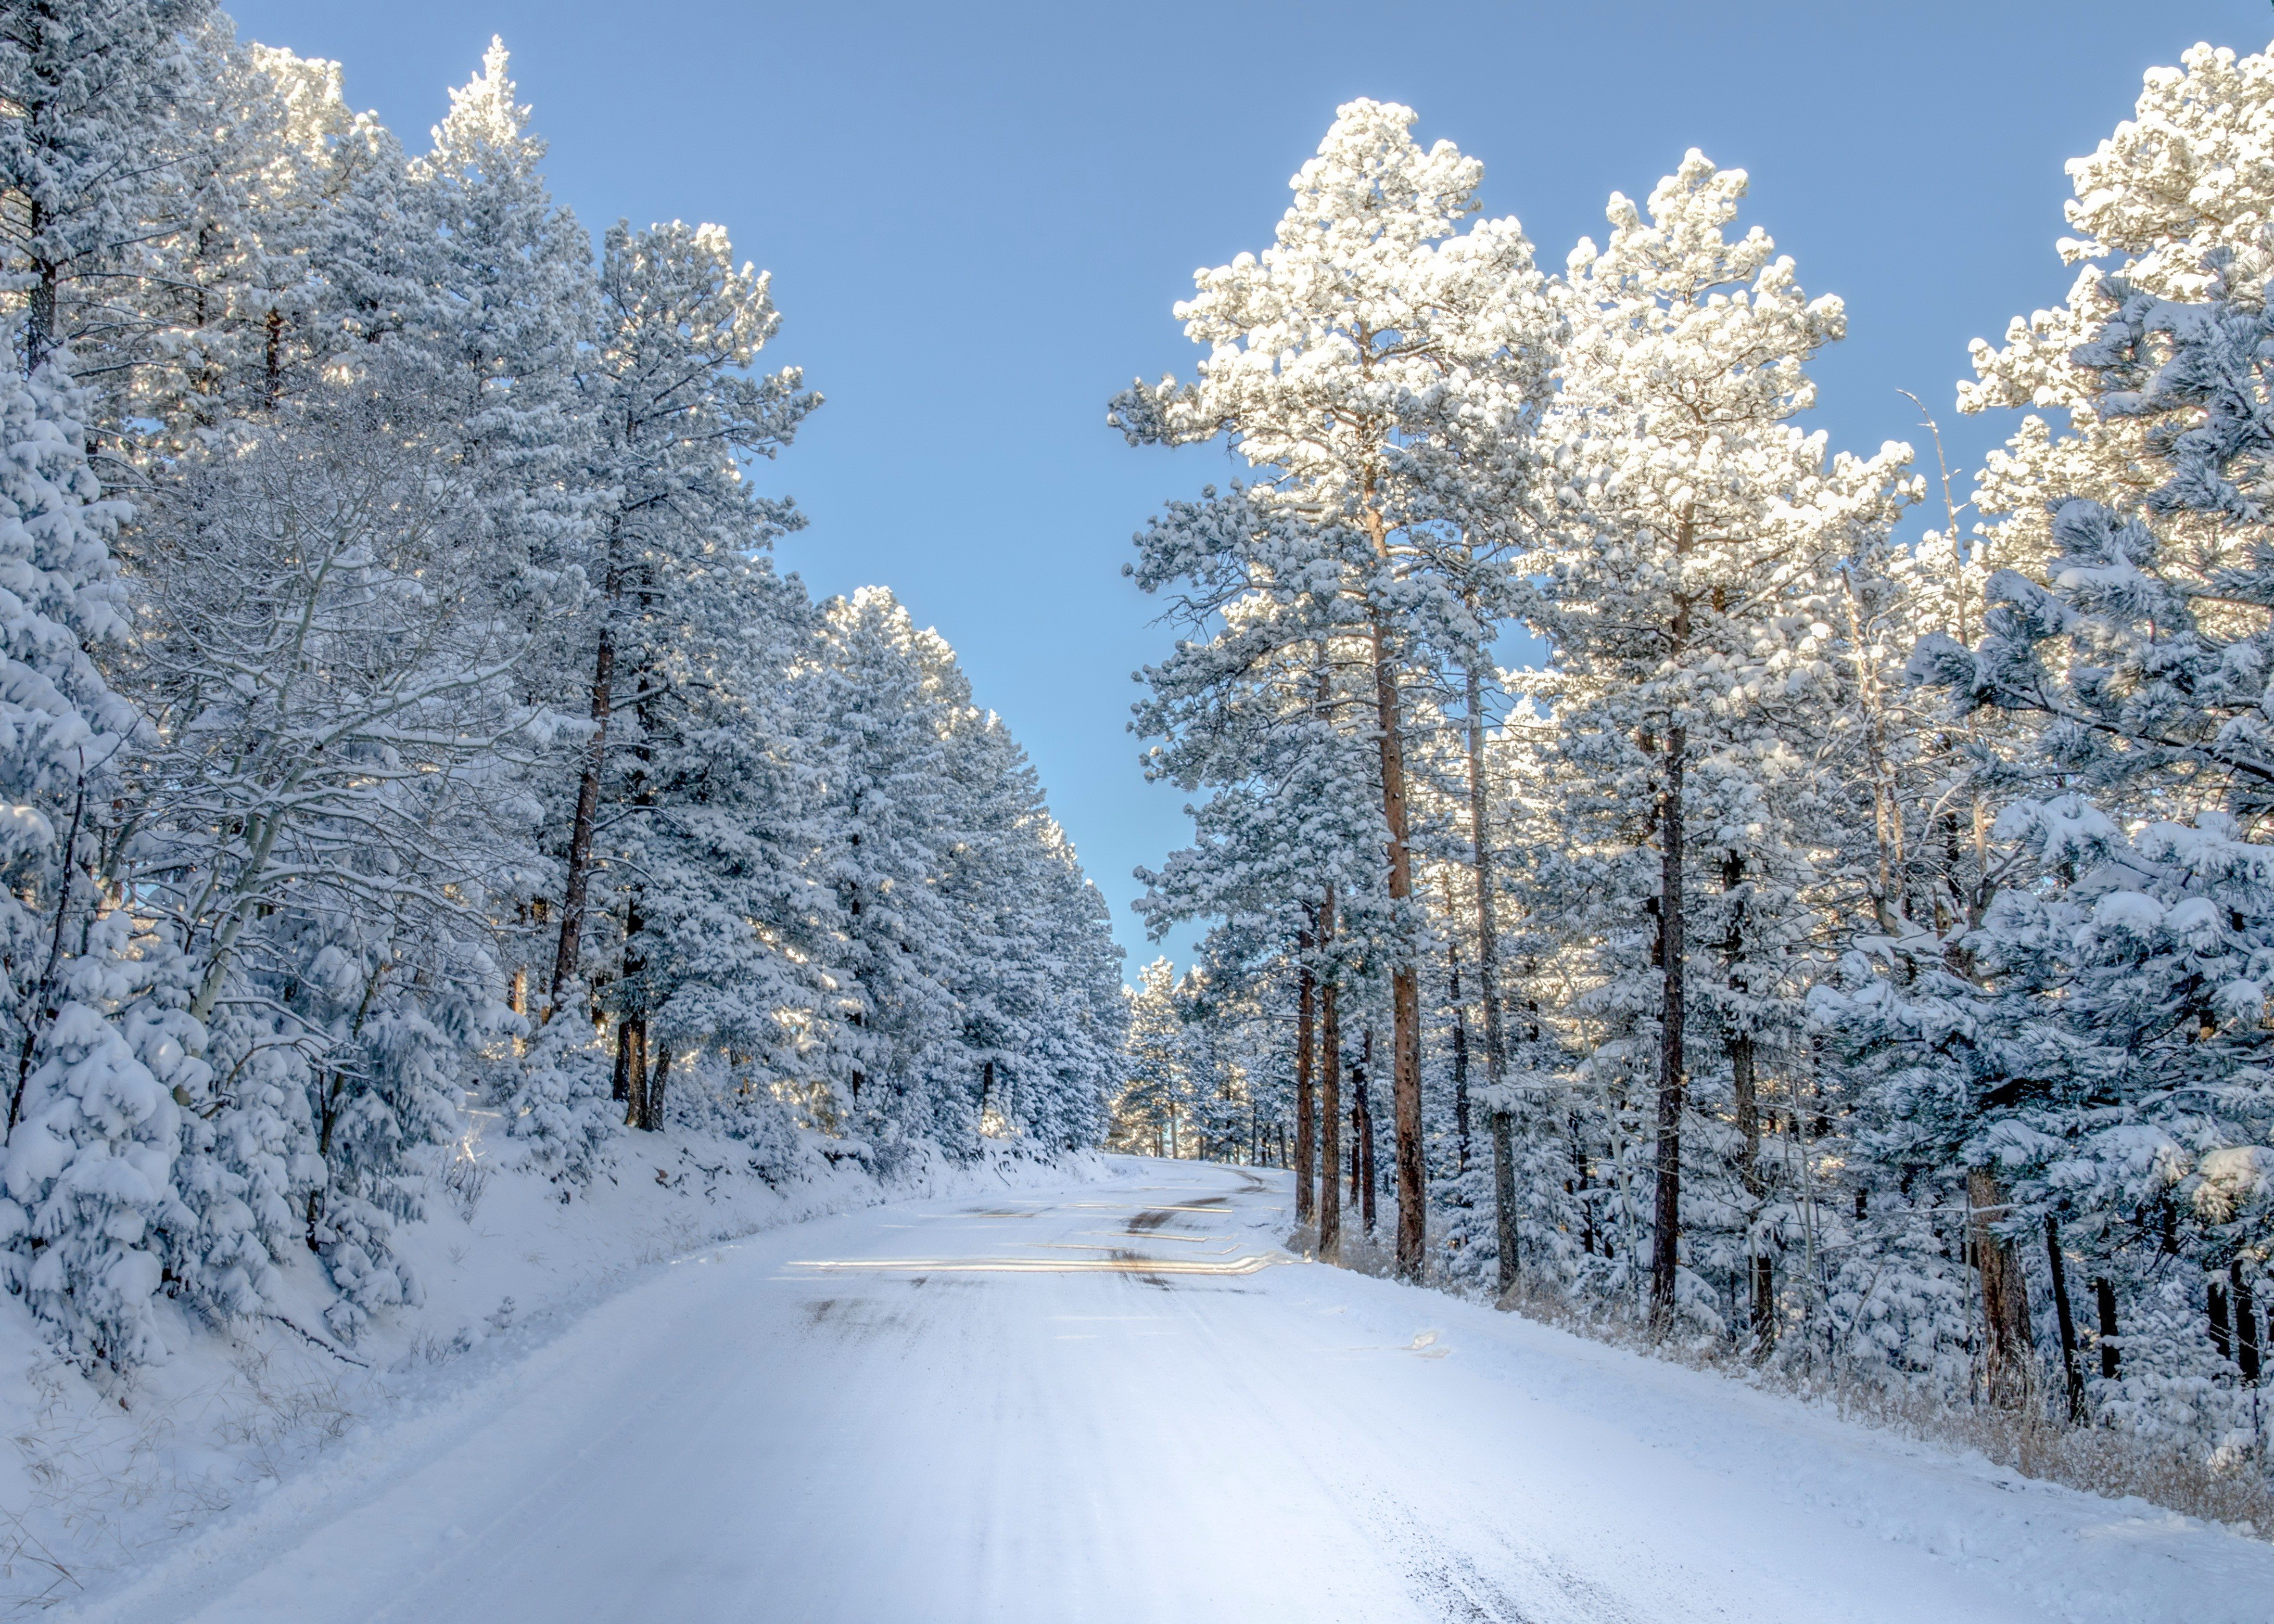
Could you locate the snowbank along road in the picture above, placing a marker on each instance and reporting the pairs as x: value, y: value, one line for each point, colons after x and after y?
x: 1125, y: 1403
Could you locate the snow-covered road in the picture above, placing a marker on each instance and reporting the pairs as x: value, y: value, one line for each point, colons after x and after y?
x: 1123, y: 1403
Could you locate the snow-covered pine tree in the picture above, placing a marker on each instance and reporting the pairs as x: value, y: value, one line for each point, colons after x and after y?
x: 675, y: 407
x: 1700, y: 518
x: 2116, y: 1086
x: 1145, y: 1111
x: 1270, y: 709
x: 89, y: 161
x: 2190, y: 173
x: 1368, y: 364
x: 886, y: 723
x: 689, y: 631
x: 86, y: 1175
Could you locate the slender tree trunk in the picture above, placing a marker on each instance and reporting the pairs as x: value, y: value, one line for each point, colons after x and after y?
x: 622, y: 1089
x: 272, y: 357
x: 2104, y: 1293
x: 1362, y: 1152
x: 1460, y: 1058
x: 2246, y: 1322
x: 40, y: 328
x: 1355, y: 1173
x: 2006, y: 1345
x: 1405, y: 987
x: 2072, y: 1373
x: 2222, y: 1338
x: 1503, y: 1150
x: 1760, y: 1278
x: 1330, y: 1092
x: 1666, y: 1234
x: 580, y: 830
x: 1761, y: 1268
x: 650, y: 1118
x: 1305, y: 1128
x: 635, y: 1073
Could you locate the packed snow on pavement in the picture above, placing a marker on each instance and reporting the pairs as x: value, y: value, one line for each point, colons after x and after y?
x: 1120, y: 1399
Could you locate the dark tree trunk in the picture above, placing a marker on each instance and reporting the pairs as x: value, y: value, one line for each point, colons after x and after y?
x: 272, y: 357
x: 1361, y: 1131
x: 580, y: 830
x: 2072, y: 1372
x: 2006, y: 1348
x: 1759, y: 1269
x: 1460, y: 1058
x: 1306, y: 1135
x: 2104, y: 1293
x: 635, y: 1073
x: 1761, y: 1265
x: 1504, y: 1228
x: 1666, y: 1229
x: 1405, y: 988
x: 1365, y: 1183
x: 622, y: 1089
x: 1330, y: 1090
x: 2221, y: 1340
x: 40, y: 330
x: 2246, y: 1322
x: 651, y: 1118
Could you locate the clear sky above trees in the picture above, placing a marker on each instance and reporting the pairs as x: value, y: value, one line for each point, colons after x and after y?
x: 977, y: 218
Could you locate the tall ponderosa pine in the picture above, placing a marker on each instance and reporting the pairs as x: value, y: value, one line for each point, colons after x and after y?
x: 1358, y: 364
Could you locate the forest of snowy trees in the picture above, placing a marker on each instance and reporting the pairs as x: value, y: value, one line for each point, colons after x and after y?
x: 401, y: 722
x: 1853, y: 952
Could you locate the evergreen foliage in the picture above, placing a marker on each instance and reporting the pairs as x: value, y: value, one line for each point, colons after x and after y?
x: 430, y: 742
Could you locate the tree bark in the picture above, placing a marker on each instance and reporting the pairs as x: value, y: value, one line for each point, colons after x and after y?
x: 2221, y: 1340
x: 580, y: 830
x: 1759, y: 1271
x: 650, y: 1116
x: 1364, y: 1182
x: 1405, y: 988
x: 622, y: 1089
x: 2072, y: 1373
x: 1460, y: 1058
x: 1665, y: 1231
x: 1330, y: 1090
x: 635, y: 1072
x: 1305, y: 1128
x: 1505, y: 1226
x: 2006, y: 1348
x: 2246, y: 1322
x: 40, y: 331
x: 1760, y: 1266
x: 272, y: 357
x: 2104, y: 1293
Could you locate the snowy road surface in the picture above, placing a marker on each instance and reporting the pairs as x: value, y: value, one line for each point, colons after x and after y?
x: 1123, y: 1403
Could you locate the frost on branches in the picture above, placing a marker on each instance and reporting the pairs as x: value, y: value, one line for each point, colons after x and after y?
x: 430, y: 763
x: 1847, y: 950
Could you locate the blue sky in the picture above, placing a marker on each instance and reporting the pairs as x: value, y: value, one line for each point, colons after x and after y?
x: 978, y: 215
